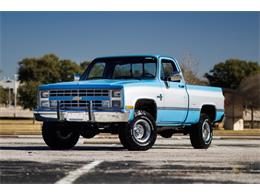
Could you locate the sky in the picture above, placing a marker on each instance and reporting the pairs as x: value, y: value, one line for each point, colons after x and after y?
x: 209, y: 37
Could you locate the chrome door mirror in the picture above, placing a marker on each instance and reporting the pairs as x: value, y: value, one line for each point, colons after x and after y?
x: 175, y: 77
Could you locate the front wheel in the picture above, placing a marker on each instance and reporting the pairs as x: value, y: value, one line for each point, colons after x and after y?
x: 201, y: 134
x: 59, y: 136
x: 140, y: 134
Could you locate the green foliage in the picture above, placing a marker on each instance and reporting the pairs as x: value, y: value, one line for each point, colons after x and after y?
x: 230, y: 73
x: 249, y: 88
x: 189, y: 66
x: 84, y: 65
x: 191, y: 78
x: 46, y: 69
x: 68, y: 69
x: 28, y: 94
x: 3, y: 96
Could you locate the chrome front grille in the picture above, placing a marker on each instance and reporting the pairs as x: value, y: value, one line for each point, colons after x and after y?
x: 79, y: 92
x: 79, y: 105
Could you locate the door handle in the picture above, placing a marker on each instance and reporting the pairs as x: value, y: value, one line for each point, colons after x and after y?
x: 181, y: 86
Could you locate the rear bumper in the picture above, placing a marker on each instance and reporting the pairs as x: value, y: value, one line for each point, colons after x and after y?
x: 80, y: 116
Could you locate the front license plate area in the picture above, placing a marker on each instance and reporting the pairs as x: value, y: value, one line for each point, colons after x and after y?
x: 76, y: 116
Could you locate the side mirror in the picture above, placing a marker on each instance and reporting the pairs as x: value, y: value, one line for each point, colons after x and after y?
x: 76, y: 77
x: 175, y: 78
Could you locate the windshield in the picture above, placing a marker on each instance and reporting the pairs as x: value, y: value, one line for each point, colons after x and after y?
x: 121, y: 68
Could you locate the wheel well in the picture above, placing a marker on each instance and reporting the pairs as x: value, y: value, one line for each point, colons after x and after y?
x: 148, y: 106
x: 210, y: 110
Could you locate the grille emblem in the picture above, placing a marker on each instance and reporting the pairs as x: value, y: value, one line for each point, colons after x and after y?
x: 77, y: 98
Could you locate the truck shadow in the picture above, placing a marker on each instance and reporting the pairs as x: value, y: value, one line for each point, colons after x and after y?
x: 83, y: 148
x: 77, y: 148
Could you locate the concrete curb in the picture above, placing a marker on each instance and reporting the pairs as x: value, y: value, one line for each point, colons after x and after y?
x: 241, y: 137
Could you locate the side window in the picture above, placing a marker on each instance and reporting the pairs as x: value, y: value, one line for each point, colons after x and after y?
x: 168, y: 68
x: 150, y: 69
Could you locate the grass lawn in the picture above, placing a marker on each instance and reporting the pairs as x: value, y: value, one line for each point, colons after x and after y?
x: 30, y: 127
x: 245, y: 132
x: 20, y: 127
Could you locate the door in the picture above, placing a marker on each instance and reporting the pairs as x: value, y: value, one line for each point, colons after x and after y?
x: 175, y: 97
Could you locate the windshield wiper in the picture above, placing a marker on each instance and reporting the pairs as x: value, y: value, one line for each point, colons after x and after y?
x: 93, y: 78
x: 127, y: 77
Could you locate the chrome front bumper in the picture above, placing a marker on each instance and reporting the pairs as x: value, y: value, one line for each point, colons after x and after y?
x: 79, y: 116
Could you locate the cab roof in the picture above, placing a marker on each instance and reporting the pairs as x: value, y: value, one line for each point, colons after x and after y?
x: 138, y: 55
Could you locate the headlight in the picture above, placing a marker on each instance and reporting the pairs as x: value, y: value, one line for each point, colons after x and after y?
x: 53, y: 103
x: 116, y: 93
x: 44, y: 94
x: 105, y: 103
x: 116, y: 103
x: 45, y: 104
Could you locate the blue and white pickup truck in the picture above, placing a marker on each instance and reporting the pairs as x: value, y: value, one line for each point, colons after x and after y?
x: 136, y: 97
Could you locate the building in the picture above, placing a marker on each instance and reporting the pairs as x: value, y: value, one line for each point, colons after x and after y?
x: 233, y: 110
x: 237, y: 115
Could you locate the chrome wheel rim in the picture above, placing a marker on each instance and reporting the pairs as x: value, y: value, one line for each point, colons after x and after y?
x: 141, y: 131
x: 206, y: 131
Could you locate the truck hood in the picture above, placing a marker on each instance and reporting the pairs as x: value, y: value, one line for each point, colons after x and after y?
x: 100, y: 83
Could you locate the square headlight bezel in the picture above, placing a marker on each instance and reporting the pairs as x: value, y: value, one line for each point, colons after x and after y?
x: 44, y: 94
x: 116, y: 93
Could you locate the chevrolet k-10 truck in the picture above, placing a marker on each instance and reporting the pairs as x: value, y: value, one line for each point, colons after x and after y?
x: 136, y: 97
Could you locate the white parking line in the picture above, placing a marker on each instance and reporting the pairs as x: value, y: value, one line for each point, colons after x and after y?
x: 73, y: 175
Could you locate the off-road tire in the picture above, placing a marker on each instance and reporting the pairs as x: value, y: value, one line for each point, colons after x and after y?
x: 129, y: 140
x: 196, y: 133
x: 59, y: 136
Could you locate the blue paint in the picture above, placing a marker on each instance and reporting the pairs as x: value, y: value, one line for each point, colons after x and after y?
x: 166, y: 116
x: 91, y: 84
x: 86, y: 98
x: 219, y: 115
x: 131, y: 114
x: 171, y: 115
x: 77, y: 110
x: 203, y: 88
x: 132, y: 55
x: 99, y: 84
x: 168, y: 124
x: 193, y: 117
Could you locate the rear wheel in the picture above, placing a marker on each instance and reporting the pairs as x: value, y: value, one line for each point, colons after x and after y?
x: 59, y: 136
x: 201, y: 134
x: 140, y: 134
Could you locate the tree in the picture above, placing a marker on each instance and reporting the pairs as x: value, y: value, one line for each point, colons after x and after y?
x: 230, y: 73
x: 46, y: 69
x: 3, y: 96
x: 68, y: 69
x: 84, y: 65
x: 28, y: 94
x: 188, y: 64
x: 249, y: 88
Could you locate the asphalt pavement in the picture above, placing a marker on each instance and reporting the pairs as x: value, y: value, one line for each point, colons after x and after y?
x: 26, y: 159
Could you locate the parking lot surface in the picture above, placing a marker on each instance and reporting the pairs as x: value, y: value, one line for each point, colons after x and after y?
x: 26, y: 159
